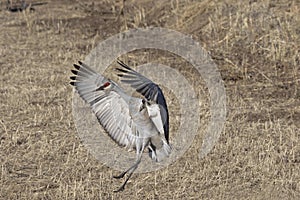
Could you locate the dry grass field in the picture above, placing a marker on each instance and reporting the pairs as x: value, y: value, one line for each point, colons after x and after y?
x: 256, y: 45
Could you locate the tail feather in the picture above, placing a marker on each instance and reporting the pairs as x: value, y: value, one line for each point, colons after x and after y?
x: 159, y: 154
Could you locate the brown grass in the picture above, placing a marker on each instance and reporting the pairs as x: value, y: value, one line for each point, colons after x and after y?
x: 256, y: 46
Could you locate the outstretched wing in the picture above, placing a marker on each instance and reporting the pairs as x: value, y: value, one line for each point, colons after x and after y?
x: 111, y: 110
x: 149, y: 90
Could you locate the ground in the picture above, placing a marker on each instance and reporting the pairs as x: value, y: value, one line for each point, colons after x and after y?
x: 255, y: 45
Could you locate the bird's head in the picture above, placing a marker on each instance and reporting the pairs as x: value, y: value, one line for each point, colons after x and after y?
x: 150, y: 106
x: 105, y: 86
x: 143, y: 104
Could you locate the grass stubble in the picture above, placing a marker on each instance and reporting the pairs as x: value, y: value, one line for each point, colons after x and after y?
x: 254, y: 44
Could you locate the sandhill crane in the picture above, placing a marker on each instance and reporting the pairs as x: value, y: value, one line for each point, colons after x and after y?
x: 131, y: 122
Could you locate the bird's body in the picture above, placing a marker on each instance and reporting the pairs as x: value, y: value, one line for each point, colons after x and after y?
x: 134, y: 123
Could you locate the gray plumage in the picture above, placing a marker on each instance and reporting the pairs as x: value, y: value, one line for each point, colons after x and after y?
x: 131, y: 122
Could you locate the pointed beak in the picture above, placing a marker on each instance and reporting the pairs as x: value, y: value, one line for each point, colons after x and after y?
x: 142, y: 107
x: 100, y: 88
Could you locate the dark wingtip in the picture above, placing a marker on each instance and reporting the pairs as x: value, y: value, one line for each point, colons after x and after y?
x: 121, y: 70
x: 72, y: 83
x: 76, y: 66
x: 73, y: 77
x: 80, y: 63
x: 75, y: 72
x: 123, y: 64
x: 119, y: 62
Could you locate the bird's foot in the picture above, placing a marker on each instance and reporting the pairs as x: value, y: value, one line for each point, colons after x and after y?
x: 120, y: 189
x: 120, y: 176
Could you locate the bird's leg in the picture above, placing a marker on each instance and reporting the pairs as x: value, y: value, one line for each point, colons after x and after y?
x: 138, y: 154
x: 126, y: 171
x: 121, y: 175
x: 131, y: 169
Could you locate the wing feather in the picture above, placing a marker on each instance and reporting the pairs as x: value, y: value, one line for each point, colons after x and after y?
x: 154, y: 114
x: 111, y: 110
x: 149, y: 90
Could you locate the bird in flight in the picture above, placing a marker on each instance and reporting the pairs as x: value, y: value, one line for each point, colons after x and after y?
x: 133, y: 123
